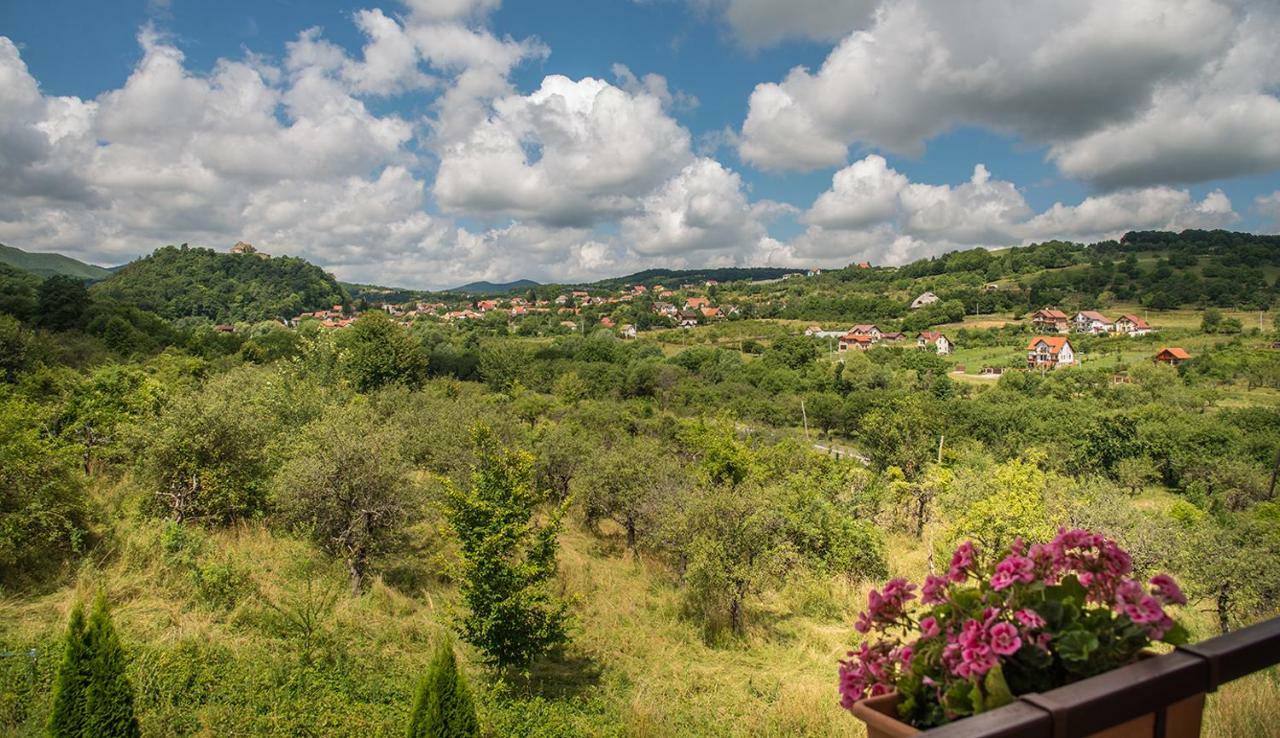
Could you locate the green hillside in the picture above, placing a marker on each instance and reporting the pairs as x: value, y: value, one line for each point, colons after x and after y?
x: 49, y: 264
x: 180, y: 282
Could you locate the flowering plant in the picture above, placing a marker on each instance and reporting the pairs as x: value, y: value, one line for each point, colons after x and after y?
x: 1028, y: 620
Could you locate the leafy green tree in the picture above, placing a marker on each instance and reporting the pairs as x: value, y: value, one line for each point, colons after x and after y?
x: 376, y: 352
x: 1134, y: 473
x: 15, y: 347
x: 1210, y: 320
x: 62, y: 302
x: 206, y: 455
x: 443, y: 708
x: 630, y: 484
x: 347, y: 487
x: 508, y: 558
x: 43, y: 509
x: 902, y: 435
x: 503, y: 364
x: 735, y: 547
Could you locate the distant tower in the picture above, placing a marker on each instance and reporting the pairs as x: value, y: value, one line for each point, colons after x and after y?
x: 243, y: 248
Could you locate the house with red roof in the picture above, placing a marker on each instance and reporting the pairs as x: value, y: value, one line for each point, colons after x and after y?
x: 1050, y: 352
x: 1132, y: 325
x: 935, y: 340
x: 1051, y: 319
x: 1173, y: 356
x: 855, y: 341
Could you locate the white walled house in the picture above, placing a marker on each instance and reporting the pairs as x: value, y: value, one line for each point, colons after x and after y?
x: 1050, y: 352
x: 1132, y: 325
x: 935, y: 340
x: 1089, y: 321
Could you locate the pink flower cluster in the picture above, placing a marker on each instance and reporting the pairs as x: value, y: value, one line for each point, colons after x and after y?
x: 886, y: 608
x: 976, y: 648
x: 978, y: 614
x: 869, y: 672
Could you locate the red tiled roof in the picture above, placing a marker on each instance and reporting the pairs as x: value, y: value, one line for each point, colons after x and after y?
x: 1137, y: 322
x: 1055, y: 343
x: 1176, y: 352
x: 1050, y: 313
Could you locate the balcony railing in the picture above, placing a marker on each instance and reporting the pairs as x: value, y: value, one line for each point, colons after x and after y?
x: 1150, y: 686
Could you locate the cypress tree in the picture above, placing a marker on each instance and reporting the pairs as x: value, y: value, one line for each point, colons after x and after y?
x: 443, y: 708
x: 108, y: 700
x: 67, y: 718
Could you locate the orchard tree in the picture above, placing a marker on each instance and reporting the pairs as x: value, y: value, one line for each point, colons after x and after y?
x: 735, y: 546
x: 376, y: 352
x: 630, y: 484
x: 347, y: 488
x: 205, y: 457
x: 508, y: 557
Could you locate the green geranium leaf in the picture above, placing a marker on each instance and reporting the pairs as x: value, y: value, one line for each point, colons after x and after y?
x: 1076, y: 645
x: 1177, y: 635
x: 998, y: 693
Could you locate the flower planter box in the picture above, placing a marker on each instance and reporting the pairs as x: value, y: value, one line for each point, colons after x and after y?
x: 1182, y: 720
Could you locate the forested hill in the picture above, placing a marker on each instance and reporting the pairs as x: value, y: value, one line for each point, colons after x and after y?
x: 180, y: 281
x: 1155, y: 269
x: 46, y: 265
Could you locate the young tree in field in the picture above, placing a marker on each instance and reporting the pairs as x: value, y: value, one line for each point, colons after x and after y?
x: 562, y: 450
x: 205, y: 457
x: 1210, y: 320
x: 901, y: 435
x: 508, y: 558
x: 374, y: 352
x: 1134, y: 473
x: 735, y: 546
x: 93, y: 695
x: 443, y: 708
x: 629, y: 484
x: 347, y: 487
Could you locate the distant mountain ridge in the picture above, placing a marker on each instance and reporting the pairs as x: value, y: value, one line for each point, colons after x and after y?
x: 48, y: 264
x: 495, y: 288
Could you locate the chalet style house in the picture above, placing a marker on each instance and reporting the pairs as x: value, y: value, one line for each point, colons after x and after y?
x: 1050, y: 352
x: 1172, y: 356
x: 1089, y: 321
x: 1132, y: 325
x: 935, y: 340
x: 1051, y: 320
x: 865, y: 329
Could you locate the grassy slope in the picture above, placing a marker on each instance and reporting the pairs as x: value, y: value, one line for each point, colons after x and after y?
x: 636, y: 667
x: 45, y: 264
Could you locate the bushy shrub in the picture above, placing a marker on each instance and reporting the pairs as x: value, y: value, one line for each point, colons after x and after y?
x: 443, y: 708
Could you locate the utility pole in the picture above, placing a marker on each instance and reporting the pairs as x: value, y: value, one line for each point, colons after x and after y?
x: 805, y: 416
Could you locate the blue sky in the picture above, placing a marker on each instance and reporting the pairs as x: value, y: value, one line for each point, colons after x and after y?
x: 477, y: 146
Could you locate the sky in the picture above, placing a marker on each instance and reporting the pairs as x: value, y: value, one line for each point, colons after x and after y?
x: 429, y: 143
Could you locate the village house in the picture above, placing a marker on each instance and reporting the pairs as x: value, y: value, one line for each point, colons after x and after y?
x: 627, y: 330
x: 891, y: 337
x: 688, y: 319
x: 940, y: 343
x: 712, y: 312
x: 666, y: 309
x: 562, y: 299
x: 813, y: 330
x: 1050, y: 352
x: 696, y: 303
x: 569, y: 324
x: 864, y: 265
x: 865, y: 329
x: 1132, y: 325
x: 1050, y: 319
x: 1172, y: 356
x: 1090, y: 321
x: 485, y: 306
x: 855, y: 341
x: 607, y: 322
x: 927, y: 298
x: 813, y: 272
